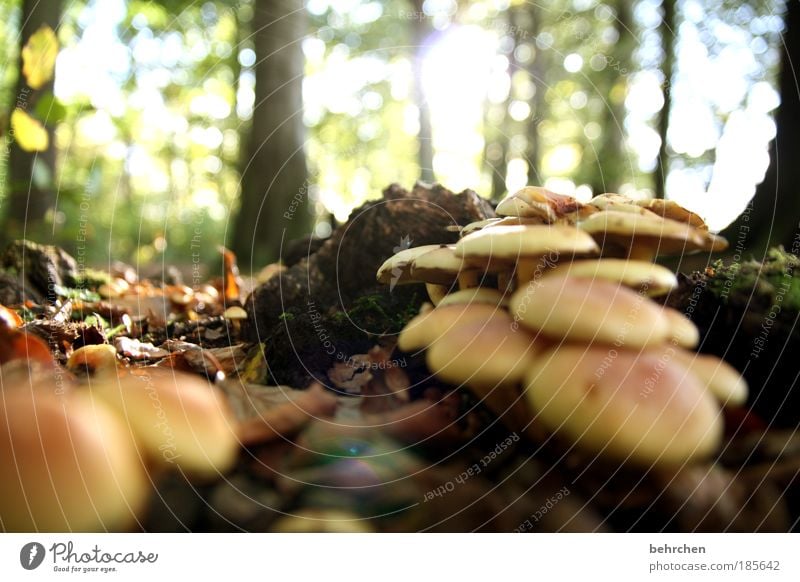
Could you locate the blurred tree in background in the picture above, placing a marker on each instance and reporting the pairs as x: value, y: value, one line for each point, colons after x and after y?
x: 175, y: 126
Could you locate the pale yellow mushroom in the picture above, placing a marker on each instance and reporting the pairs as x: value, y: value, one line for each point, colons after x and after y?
x: 68, y: 464
x: 644, y: 408
x: 590, y: 311
x: 178, y: 419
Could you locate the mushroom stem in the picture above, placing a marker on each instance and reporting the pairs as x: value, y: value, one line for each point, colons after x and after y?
x: 467, y: 279
x: 526, y: 271
x: 435, y: 292
x: 641, y: 253
x: 504, y: 282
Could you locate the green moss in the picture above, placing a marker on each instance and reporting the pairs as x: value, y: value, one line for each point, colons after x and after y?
x: 776, y: 280
x: 92, y: 279
x: 286, y: 316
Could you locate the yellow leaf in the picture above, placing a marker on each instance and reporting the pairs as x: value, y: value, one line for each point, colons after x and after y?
x: 29, y: 133
x: 39, y: 57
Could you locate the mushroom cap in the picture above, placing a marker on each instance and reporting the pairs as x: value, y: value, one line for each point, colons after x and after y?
x: 68, y: 465
x: 427, y: 327
x: 440, y: 266
x: 507, y: 244
x: 491, y: 358
x: 640, y: 275
x: 590, y: 310
x: 178, y: 419
x: 473, y: 226
x: 475, y: 295
x: 617, y: 203
x: 396, y: 267
x: 504, y: 221
x: 632, y: 406
x: 482, y: 353
x: 93, y: 358
x: 538, y: 202
x: 665, y: 236
x: 673, y: 211
x: 721, y: 379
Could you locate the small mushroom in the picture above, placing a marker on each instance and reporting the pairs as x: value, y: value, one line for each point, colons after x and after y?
x: 178, y: 419
x: 491, y: 357
x: 643, y: 408
x: 531, y: 248
x: 396, y: 269
x: 721, y: 379
x: 683, y: 331
x: 672, y: 210
x: 591, y: 311
x: 504, y: 221
x: 426, y: 327
x: 643, y: 237
x: 235, y: 313
x: 442, y: 267
x: 540, y: 203
x: 617, y: 203
x: 68, y: 464
x: 93, y: 358
x: 484, y: 353
x: 644, y: 276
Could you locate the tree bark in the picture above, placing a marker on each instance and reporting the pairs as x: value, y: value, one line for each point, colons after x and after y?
x: 29, y: 199
x: 613, y: 158
x: 536, y: 70
x: 274, y: 206
x: 421, y: 41
x: 668, y: 36
x: 773, y: 214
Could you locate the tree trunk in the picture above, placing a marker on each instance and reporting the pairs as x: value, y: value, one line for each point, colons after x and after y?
x: 31, y: 195
x: 773, y: 214
x: 668, y: 36
x: 421, y: 39
x: 613, y: 162
x: 536, y: 70
x: 274, y: 206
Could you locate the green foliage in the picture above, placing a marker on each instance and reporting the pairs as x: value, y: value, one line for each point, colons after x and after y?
x: 149, y: 152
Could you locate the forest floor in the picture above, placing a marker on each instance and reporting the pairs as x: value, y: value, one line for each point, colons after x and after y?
x: 341, y: 431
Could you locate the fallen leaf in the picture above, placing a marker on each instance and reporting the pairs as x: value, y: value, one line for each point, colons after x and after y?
x: 289, y: 411
x: 137, y: 350
x: 230, y: 282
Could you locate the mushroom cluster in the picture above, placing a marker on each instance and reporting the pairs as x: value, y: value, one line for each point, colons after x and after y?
x: 81, y: 458
x: 546, y: 313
